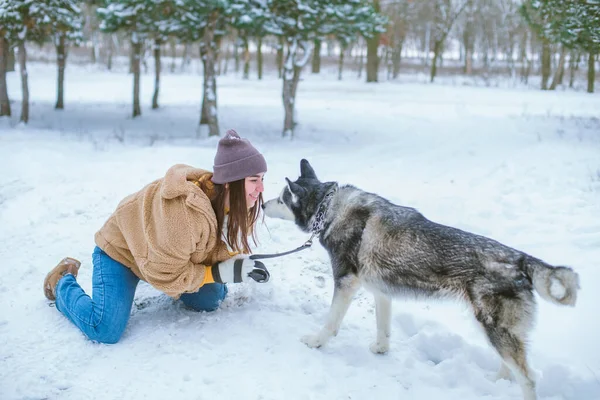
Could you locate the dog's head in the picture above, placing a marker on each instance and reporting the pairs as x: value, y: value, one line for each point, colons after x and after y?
x: 299, y: 201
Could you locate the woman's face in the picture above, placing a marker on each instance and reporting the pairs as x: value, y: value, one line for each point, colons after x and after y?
x: 254, y: 187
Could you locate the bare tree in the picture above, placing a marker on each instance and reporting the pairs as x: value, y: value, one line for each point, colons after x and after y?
x: 401, y: 15
x: 445, y: 13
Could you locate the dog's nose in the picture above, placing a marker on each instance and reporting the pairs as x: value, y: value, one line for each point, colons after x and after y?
x: 262, y: 206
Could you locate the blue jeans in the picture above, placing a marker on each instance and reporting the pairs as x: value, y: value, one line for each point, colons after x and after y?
x: 103, y: 317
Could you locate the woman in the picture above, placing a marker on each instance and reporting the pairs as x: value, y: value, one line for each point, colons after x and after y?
x: 185, y: 234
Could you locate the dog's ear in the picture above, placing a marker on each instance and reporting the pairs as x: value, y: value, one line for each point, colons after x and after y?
x: 295, y: 189
x: 306, y: 171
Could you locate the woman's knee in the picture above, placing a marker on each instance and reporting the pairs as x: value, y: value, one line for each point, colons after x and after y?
x: 105, y: 334
x: 208, y: 298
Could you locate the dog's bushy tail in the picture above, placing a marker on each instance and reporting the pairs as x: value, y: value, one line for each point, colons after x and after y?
x: 558, y: 285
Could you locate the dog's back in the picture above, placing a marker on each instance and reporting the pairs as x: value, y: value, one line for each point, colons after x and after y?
x: 400, y: 251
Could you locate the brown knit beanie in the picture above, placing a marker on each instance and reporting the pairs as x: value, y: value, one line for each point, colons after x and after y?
x: 236, y: 159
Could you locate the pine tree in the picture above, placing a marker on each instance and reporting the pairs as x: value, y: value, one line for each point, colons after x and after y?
x: 38, y: 21
x: 65, y: 27
x: 204, y: 21
x: 299, y: 24
x: 142, y: 20
x: 572, y: 23
x: 249, y: 18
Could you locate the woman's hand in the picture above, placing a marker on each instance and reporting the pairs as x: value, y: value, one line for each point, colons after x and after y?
x: 240, y: 269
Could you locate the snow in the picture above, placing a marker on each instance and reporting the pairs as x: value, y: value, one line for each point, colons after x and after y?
x: 520, y: 166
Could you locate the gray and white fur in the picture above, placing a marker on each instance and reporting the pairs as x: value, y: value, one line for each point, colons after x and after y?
x: 393, y: 251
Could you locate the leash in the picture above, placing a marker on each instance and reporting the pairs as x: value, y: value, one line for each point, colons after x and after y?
x: 305, y: 246
x: 317, y: 227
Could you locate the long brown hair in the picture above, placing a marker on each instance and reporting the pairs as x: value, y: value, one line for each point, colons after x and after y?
x: 240, y: 223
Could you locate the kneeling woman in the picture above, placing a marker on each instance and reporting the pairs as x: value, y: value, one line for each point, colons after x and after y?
x: 185, y: 234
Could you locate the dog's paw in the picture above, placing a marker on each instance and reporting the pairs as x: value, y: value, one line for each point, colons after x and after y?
x: 379, y: 347
x: 503, y: 373
x: 312, y: 341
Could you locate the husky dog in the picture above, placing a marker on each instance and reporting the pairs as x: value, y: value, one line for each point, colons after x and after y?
x: 393, y: 250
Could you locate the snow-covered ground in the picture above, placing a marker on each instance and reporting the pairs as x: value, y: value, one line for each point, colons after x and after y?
x: 520, y: 166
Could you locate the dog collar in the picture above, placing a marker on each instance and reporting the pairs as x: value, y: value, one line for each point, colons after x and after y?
x: 317, y: 227
x: 319, y: 220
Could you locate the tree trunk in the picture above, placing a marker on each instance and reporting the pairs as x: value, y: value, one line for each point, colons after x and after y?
x: 343, y: 48
x: 469, y: 44
x: 226, y: 59
x: 361, y: 63
x: 511, y: 58
x: 437, y: 47
x: 468, y: 61
x: 204, y: 108
x: 290, y: 84
x: 427, y: 43
x: 546, y: 59
x: 173, y: 54
x: 185, y: 57
x: 210, y: 82
x: 397, y: 58
x: 316, y: 59
x: 236, y: 54
x: 591, y: 72
x: 217, y: 54
x: 561, y: 75
x: 574, y: 59
x: 330, y: 44
x: 131, y: 57
x: 136, y: 51
x: 259, y: 57
x: 280, y: 57
x: 94, y: 54
x: 387, y: 61
x: 556, y: 80
x: 291, y: 76
x: 24, y: 83
x: 246, y: 74
x: 372, y: 51
x: 11, y: 60
x: 110, y: 49
x: 373, y: 58
x: 523, y: 59
x: 61, y: 61
x: 4, y: 101
x: 157, y: 44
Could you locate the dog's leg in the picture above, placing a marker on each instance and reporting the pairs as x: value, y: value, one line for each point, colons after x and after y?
x: 344, y: 290
x: 504, y: 372
x: 513, y: 354
x: 383, y: 311
x: 506, y: 322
